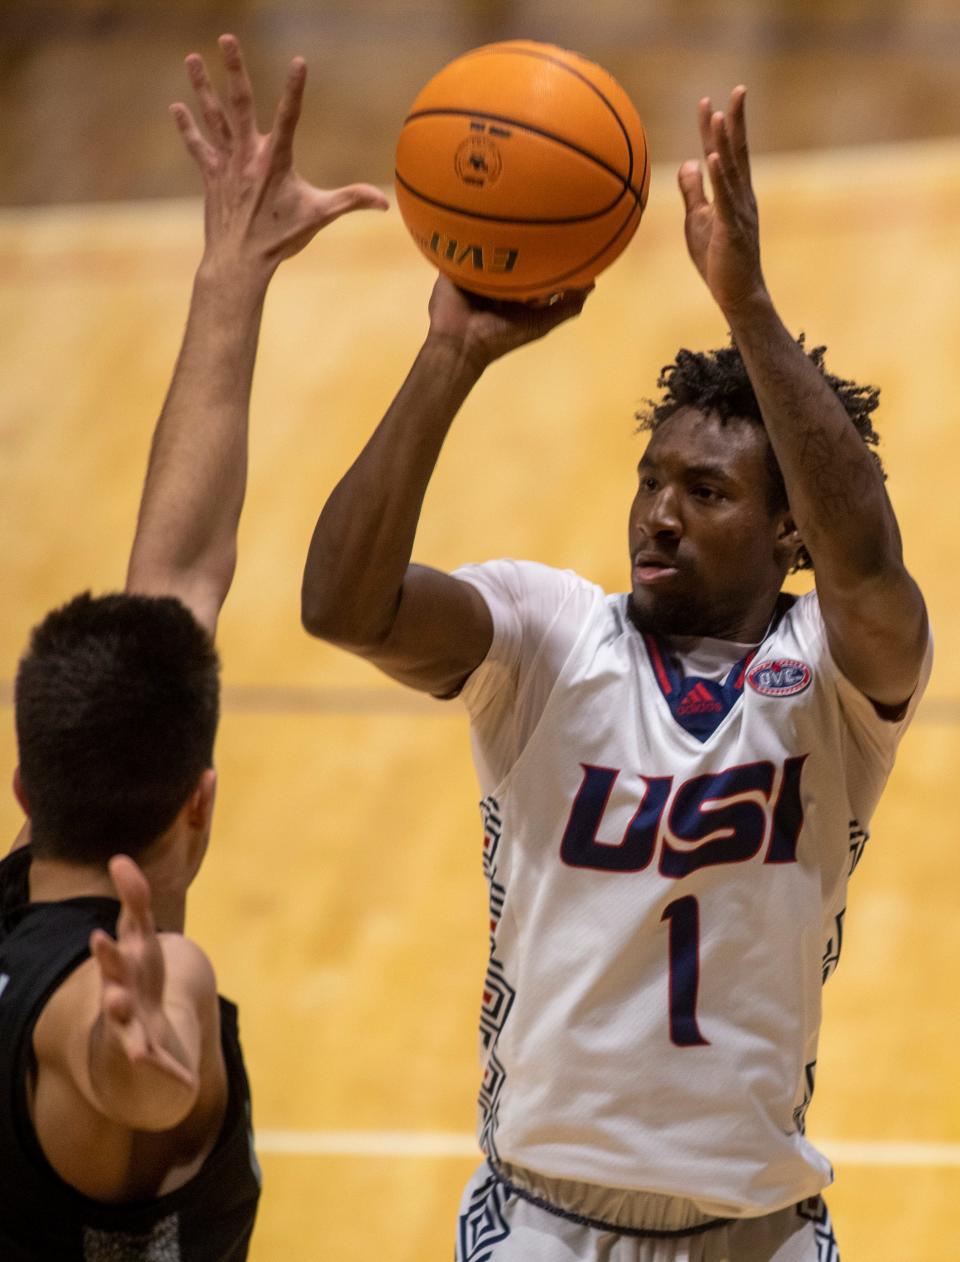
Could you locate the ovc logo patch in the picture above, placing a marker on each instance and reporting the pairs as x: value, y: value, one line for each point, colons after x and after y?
x: 781, y: 677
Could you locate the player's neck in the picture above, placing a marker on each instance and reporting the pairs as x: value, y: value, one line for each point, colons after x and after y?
x: 753, y: 625
x: 55, y: 880
x: 744, y: 629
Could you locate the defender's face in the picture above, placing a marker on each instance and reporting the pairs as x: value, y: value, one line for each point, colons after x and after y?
x: 707, y: 554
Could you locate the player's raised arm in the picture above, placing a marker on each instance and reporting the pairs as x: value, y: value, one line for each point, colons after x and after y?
x: 258, y: 212
x: 874, y: 613
x: 360, y: 591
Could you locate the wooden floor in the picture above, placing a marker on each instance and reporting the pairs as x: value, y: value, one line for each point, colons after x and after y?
x: 342, y: 900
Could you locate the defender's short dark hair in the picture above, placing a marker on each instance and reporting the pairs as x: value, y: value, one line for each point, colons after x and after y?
x: 117, y: 701
x: 717, y: 382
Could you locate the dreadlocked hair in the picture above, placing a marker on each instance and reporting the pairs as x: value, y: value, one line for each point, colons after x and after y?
x: 717, y: 382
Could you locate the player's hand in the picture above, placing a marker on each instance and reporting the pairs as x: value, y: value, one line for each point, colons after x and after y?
x: 132, y: 979
x: 486, y: 328
x: 723, y: 236
x: 258, y: 209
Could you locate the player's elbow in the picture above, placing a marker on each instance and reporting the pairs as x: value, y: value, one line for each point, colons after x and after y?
x: 339, y: 619
x: 313, y: 616
x: 319, y: 614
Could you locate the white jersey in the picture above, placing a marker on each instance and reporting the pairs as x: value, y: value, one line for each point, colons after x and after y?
x: 667, y: 847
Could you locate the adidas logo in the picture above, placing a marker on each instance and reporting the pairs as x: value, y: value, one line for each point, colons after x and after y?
x: 699, y: 700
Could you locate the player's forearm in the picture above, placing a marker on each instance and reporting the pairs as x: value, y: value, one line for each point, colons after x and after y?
x: 363, y: 540
x: 196, y: 477
x: 835, y: 490
x: 142, y: 1094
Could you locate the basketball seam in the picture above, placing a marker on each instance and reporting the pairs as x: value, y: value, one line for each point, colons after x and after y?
x: 554, y: 280
x: 536, y: 131
x: 489, y: 49
x: 512, y: 219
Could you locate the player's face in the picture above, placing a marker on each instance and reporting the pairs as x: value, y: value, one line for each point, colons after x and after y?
x: 708, y: 555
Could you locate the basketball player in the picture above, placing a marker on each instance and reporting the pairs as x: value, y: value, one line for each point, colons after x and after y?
x: 125, y: 1127
x: 676, y: 781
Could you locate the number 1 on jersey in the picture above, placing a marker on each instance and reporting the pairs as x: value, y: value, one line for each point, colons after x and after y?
x: 684, y: 917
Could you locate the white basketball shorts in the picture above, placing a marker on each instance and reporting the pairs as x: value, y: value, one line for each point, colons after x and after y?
x: 512, y: 1215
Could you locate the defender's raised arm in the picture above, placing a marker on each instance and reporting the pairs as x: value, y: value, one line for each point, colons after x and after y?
x: 258, y: 212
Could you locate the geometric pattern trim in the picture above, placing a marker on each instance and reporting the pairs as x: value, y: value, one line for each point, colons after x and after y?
x: 858, y: 841
x: 498, y: 997
x: 815, y: 1211
x: 491, y: 1087
x: 800, y: 1113
x: 492, y: 827
x: 483, y: 1225
x: 498, y: 994
x: 831, y: 952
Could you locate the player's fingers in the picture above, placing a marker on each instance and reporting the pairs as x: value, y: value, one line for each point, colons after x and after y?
x: 723, y: 198
x: 575, y: 298
x: 170, y: 1065
x: 723, y: 173
x: 288, y: 114
x: 704, y: 114
x: 737, y: 128
x: 118, y: 1005
x: 690, y: 180
x: 213, y: 114
x: 113, y: 968
x: 240, y: 93
x: 340, y: 201
x: 202, y: 153
x: 721, y: 144
x: 564, y: 306
x: 134, y: 894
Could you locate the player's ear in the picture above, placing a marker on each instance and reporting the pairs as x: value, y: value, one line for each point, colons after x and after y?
x: 199, y: 806
x: 789, y: 541
x: 19, y: 792
x: 195, y: 817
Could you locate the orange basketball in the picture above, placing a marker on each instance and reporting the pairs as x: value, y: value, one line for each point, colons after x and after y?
x: 522, y: 170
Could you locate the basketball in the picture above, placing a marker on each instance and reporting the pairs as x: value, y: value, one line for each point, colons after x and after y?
x: 522, y: 170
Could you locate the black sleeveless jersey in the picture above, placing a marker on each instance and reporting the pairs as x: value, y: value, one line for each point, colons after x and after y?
x: 44, y: 1219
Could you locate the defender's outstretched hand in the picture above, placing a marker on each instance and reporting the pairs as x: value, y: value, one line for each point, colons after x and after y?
x: 132, y: 974
x: 723, y: 236
x: 255, y: 201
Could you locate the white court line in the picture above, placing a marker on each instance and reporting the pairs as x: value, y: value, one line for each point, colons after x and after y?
x: 878, y: 1152
x: 461, y: 1144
